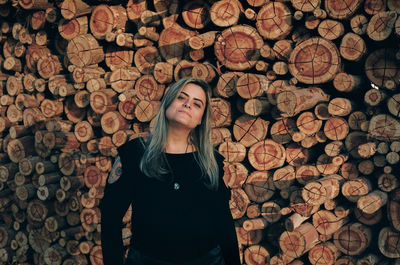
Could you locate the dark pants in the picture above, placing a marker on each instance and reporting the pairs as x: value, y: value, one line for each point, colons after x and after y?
x: 212, y: 257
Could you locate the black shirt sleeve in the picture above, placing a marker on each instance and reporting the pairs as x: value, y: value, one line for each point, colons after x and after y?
x: 113, y: 206
x: 227, y: 237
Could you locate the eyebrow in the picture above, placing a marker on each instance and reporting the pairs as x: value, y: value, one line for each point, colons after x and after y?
x: 186, y: 94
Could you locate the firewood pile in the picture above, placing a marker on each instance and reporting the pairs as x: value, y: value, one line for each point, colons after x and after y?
x: 305, y: 111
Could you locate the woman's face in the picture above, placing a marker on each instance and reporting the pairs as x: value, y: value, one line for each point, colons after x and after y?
x: 188, y: 108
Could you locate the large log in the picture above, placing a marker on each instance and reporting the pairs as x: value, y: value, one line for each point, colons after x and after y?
x: 238, y: 46
x: 314, y: 61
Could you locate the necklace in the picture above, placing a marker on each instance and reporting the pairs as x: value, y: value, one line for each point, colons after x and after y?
x: 175, y: 185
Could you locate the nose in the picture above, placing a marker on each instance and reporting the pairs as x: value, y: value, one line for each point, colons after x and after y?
x: 186, y: 104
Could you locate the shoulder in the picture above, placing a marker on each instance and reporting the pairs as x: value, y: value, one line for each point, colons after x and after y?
x: 133, y: 145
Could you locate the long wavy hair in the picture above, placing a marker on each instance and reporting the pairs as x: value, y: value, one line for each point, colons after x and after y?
x: 153, y: 162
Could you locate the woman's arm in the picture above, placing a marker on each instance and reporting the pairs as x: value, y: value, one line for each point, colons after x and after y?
x: 227, y: 237
x: 113, y: 206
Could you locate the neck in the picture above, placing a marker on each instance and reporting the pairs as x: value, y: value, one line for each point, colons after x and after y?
x: 178, y: 141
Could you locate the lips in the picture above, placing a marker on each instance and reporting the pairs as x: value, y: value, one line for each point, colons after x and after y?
x: 187, y: 113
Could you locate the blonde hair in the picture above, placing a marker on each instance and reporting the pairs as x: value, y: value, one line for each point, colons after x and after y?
x: 153, y: 162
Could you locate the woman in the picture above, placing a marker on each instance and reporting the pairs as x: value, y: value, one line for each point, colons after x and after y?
x: 173, y: 179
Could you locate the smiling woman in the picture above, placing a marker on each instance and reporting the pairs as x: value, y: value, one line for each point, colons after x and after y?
x: 196, y: 225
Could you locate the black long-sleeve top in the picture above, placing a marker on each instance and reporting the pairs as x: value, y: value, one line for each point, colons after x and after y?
x: 172, y: 225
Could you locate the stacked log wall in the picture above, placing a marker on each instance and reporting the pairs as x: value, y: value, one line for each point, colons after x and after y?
x: 305, y: 111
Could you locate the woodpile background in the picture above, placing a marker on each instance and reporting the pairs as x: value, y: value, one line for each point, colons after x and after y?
x: 306, y: 112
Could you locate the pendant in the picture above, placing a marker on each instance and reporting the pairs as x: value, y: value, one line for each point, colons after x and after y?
x: 176, y: 186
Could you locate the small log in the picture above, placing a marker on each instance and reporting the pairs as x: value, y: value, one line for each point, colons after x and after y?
x: 367, y: 150
x: 219, y: 135
x: 163, y: 72
x: 117, y: 58
x: 203, y: 40
x: 352, y: 47
x: 146, y: 58
x: 106, y: 18
x: 225, y: 13
x: 204, y: 71
x: 330, y: 29
x: 354, y: 189
x: 232, y: 151
x: 352, y: 239
x: 248, y: 237
x: 12, y: 64
x: 384, y: 127
x: 184, y: 69
x: 195, y: 14
x: 388, y: 242
x: 374, y: 97
x: 296, y: 155
x: 317, y: 192
x: 293, y: 102
x: 172, y: 43
x: 381, y: 24
x: 308, y: 123
x: 280, y: 68
x: 340, y: 107
x: 307, y: 173
x: 276, y: 87
x: 393, y: 213
x: 235, y: 175
x: 249, y: 131
x: 271, y: 211
x: 234, y: 58
x: 305, y: 236
x: 274, y: 21
x: 368, y: 219
x: 256, y: 106
x: 84, y: 50
x: 113, y: 121
x: 221, y: 112
x: 284, y: 177
x: 259, y: 187
x: 393, y: 105
x: 282, y: 130
x: 226, y: 86
x: 344, y: 82
x: 342, y: 10
x: 70, y: 29
x: 266, y: 155
x: 294, y: 221
x: 282, y: 49
x: 326, y: 222
x: 325, y: 251
x: 376, y: 68
x: 311, y: 70
x: 371, y: 202
x: 253, y: 211
x: 146, y: 110
x: 103, y: 101
x: 256, y: 254
x: 238, y: 203
x: 74, y: 8
x: 336, y: 128
x: 255, y: 224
